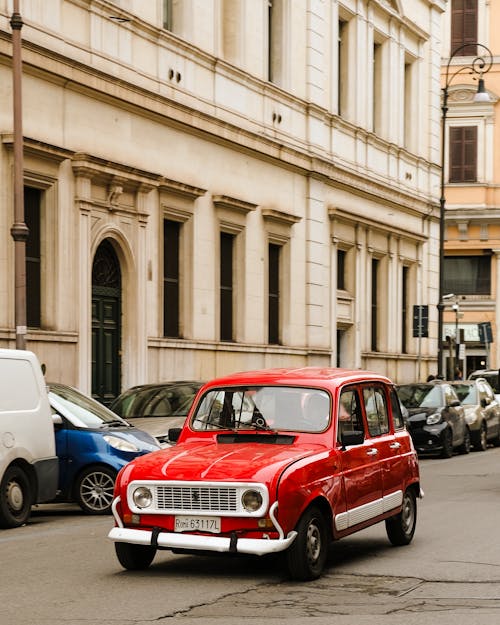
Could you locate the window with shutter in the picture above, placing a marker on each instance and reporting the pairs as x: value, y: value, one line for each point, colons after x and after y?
x: 463, y: 154
x: 464, y: 26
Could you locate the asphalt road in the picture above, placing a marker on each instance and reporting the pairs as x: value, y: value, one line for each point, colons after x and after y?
x: 61, y: 569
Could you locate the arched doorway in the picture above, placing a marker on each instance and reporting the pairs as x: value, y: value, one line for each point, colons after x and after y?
x: 106, y: 324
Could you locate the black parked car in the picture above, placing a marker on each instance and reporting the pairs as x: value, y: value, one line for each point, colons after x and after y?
x: 436, y: 419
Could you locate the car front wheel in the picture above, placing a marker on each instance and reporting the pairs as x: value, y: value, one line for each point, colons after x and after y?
x: 306, y: 556
x: 401, y: 527
x: 134, y: 557
x: 15, y: 498
x: 447, y: 451
x: 481, y: 440
x: 94, y: 490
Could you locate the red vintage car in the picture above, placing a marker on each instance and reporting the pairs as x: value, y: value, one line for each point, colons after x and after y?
x: 269, y: 461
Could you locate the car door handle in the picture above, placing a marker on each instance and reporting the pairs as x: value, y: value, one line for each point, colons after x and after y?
x: 372, y: 452
x: 395, y: 445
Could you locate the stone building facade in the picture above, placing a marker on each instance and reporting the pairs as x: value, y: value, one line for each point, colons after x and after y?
x: 217, y: 185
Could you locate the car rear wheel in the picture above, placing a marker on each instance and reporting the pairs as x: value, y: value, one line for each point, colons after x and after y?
x: 481, y: 440
x: 94, y: 490
x: 134, y: 557
x: 15, y: 498
x: 447, y: 451
x: 306, y: 556
x: 400, y: 528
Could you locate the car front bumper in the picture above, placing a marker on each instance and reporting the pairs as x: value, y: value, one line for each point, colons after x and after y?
x: 199, y: 542
x: 429, y: 438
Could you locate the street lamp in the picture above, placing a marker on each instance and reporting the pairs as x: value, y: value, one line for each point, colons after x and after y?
x: 480, y: 65
x: 19, y: 230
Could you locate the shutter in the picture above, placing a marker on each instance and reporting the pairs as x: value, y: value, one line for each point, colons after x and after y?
x: 464, y: 26
x: 463, y: 154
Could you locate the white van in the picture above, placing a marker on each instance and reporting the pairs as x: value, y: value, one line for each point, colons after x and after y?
x: 28, y: 463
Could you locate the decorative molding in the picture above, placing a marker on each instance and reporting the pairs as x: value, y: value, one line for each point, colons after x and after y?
x: 280, y: 217
x: 233, y: 204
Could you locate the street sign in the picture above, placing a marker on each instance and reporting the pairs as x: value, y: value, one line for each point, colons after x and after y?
x: 485, y: 333
x: 421, y: 321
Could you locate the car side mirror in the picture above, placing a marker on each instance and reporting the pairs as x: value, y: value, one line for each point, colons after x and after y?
x: 455, y: 403
x: 173, y: 434
x: 484, y: 402
x: 352, y: 437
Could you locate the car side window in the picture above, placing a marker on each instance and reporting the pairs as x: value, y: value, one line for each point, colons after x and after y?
x: 376, y: 410
x: 449, y: 395
x: 349, y: 413
x: 397, y: 417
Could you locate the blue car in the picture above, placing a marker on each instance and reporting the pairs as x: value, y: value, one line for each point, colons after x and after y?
x: 92, y: 444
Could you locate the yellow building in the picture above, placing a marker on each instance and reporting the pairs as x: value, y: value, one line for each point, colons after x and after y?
x: 471, y: 52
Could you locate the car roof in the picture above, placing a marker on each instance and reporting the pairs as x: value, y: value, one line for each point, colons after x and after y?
x: 314, y: 376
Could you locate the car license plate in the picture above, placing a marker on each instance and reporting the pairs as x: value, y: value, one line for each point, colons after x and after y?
x: 197, y: 524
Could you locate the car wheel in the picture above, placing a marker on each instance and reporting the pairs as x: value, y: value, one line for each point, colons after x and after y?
x: 134, y: 557
x: 465, y: 446
x: 306, y: 556
x: 94, y: 490
x: 481, y: 441
x: 401, y: 527
x: 447, y: 451
x: 15, y: 498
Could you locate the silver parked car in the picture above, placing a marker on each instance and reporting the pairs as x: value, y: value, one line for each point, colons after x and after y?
x: 482, y: 411
x: 155, y: 408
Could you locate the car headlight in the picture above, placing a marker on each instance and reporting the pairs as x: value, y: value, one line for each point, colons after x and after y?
x: 251, y: 500
x: 432, y: 419
x: 120, y: 443
x: 143, y: 497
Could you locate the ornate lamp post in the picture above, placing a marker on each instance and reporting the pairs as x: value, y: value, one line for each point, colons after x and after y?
x: 479, y: 66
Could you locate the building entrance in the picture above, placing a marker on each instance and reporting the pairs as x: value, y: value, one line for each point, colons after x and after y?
x: 106, y: 324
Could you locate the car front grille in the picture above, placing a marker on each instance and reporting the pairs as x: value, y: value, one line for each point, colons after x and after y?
x: 199, y: 498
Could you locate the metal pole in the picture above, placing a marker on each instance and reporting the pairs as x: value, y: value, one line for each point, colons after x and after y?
x: 19, y: 230
x: 442, y: 208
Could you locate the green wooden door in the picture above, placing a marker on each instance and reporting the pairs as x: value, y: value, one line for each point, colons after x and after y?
x: 106, y: 324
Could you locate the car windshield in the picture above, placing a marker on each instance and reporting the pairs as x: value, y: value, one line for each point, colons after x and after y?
x: 420, y: 396
x: 467, y: 394
x: 263, y: 408
x: 156, y: 401
x: 81, y: 410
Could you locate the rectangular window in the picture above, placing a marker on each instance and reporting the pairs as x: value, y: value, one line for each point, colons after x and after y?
x: 376, y: 410
x: 167, y: 14
x: 464, y: 27
x: 275, y: 40
x: 408, y: 108
x: 171, y: 278
x: 342, y: 69
x: 467, y: 275
x: 341, y: 254
x: 374, y: 305
x: 226, y: 286
x: 378, y: 99
x: 404, y: 311
x: 32, y: 218
x: 463, y: 154
x: 274, y: 294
